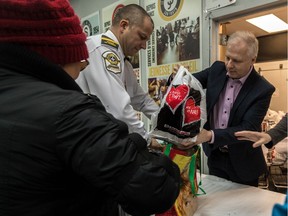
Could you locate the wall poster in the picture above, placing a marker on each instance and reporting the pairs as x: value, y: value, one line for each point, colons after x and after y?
x: 175, y: 40
x: 91, y: 24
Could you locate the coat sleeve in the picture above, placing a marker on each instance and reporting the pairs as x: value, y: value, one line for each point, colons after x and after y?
x: 98, y: 80
x: 279, y: 132
x: 140, y: 100
x: 99, y: 149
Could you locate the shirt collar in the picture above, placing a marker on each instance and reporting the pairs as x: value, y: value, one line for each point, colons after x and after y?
x: 242, y: 79
x: 110, y: 34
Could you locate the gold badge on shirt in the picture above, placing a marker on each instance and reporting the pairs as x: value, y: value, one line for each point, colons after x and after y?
x: 112, y: 62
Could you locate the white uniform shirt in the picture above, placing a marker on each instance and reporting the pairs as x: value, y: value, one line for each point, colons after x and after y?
x: 112, y: 79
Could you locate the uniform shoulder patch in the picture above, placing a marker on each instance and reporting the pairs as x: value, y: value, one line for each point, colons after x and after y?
x: 108, y: 41
x: 112, y: 62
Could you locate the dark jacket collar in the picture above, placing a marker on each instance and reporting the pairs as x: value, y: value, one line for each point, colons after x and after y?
x: 18, y: 59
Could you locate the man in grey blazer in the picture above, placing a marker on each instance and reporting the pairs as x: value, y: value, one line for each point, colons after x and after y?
x: 237, y: 98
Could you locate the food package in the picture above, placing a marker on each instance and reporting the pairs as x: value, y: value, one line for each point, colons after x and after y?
x: 182, y: 112
x: 188, y: 162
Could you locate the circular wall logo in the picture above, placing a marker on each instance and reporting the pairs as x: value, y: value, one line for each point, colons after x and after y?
x: 169, y: 9
x: 87, y: 27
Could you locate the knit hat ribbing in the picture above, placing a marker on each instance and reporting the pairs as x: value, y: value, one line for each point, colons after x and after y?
x: 49, y: 27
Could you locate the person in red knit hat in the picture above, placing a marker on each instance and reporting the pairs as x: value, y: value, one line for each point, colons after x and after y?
x: 61, y: 153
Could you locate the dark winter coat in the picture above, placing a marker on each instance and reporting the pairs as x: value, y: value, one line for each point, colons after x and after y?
x: 62, y: 154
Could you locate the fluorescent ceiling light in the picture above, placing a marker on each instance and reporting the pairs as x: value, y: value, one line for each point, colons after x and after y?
x: 269, y: 23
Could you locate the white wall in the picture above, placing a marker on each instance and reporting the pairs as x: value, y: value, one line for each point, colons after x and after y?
x: 276, y: 73
x: 86, y: 7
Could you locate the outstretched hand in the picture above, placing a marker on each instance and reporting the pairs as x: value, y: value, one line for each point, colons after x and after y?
x: 259, y: 138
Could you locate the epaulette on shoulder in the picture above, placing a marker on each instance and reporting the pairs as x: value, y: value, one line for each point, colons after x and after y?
x: 108, y: 41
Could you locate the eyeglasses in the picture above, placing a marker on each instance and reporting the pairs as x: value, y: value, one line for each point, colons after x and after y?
x: 84, y: 64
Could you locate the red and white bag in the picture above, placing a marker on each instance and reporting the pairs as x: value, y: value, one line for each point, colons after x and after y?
x: 182, y: 113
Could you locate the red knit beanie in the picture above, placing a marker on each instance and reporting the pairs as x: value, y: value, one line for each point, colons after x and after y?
x: 49, y: 27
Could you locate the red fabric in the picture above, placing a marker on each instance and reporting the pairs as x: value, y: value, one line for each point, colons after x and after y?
x: 50, y: 28
x: 174, y: 152
x: 170, y: 212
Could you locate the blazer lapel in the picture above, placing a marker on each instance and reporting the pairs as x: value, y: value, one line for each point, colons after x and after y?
x: 246, y: 89
x: 215, y: 91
